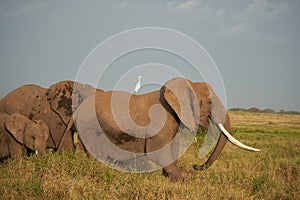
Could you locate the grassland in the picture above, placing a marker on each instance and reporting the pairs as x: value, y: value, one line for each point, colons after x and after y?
x: 273, y: 173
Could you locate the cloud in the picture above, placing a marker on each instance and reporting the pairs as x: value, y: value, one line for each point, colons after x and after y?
x: 249, y: 32
x: 256, y: 21
x: 187, y: 5
x: 194, y: 11
x: 261, y: 11
x: 25, y: 10
x: 122, y: 5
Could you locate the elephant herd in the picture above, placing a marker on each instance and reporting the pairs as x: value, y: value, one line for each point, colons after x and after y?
x: 33, y: 119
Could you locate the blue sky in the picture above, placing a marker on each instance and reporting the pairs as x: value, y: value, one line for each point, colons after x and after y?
x: 254, y: 43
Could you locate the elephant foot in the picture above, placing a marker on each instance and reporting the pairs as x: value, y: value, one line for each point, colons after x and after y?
x: 172, y: 172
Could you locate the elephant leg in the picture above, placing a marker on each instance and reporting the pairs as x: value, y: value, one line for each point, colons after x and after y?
x: 4, y: 149
x: 167, y: 157
x: 66, y: 143
x: 80, y: 147
x: 169, y: 170
x: 172, y: 171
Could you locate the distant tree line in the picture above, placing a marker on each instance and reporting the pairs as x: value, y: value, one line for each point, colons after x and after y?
x: 267, y: 110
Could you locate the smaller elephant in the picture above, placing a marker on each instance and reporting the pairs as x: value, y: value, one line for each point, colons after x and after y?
x: 19, y: 134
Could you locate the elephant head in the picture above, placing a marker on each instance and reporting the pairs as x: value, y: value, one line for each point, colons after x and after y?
x: 197, y: 104
x: 32, y: 134
x: 64, y: 97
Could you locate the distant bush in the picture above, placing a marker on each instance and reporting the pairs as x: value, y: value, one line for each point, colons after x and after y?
x: 238, y: 109
x: 254, y: 109
x: 290, y: 112
x: 267, y: 110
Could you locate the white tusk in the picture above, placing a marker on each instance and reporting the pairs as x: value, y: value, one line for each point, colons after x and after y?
x: 235, y: 141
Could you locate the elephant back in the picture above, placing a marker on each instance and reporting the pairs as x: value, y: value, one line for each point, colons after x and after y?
x: 24, y: 100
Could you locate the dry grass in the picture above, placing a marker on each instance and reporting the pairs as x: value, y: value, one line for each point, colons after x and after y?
x: 272, y: 174
x: 246, y: 119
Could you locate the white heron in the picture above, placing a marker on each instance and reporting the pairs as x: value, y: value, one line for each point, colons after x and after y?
x: 138, y: 84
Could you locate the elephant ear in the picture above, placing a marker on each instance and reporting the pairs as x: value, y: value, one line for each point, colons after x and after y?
x: 64, y: 97
x: 15, y: 124
x: 181, y: 97
x: 59, y: 96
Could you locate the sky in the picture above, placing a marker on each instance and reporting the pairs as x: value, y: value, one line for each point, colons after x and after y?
x: 254, y: 44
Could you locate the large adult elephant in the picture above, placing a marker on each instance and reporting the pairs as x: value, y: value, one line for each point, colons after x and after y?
x: 18, y: 133
x: 148, y: 124
x: 53, y: 105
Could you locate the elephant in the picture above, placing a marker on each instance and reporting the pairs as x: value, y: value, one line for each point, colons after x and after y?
x: 19, y: 134
x: 143, y: 124
x: 53, y: 105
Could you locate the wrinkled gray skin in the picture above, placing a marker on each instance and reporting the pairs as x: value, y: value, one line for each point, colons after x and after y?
x: 18, y: 132
x: 199, y: 104
x: 52, y: 105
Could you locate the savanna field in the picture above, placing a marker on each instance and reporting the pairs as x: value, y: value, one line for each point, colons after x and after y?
x: 273, y: 173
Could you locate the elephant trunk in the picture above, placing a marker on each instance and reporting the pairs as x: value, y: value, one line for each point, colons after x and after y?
x: 218, y: 149
x: 218, y: 115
